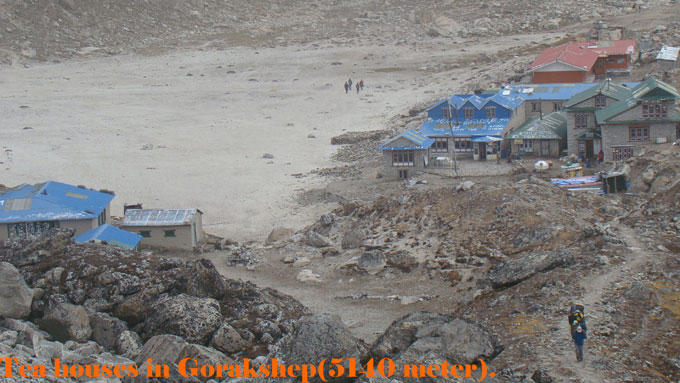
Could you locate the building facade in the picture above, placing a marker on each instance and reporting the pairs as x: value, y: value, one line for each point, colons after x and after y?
x: 166, y: 228
x: 407, y: 154
x: 647, y: 116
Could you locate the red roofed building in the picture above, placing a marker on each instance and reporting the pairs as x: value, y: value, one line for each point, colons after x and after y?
x: 581, y: 61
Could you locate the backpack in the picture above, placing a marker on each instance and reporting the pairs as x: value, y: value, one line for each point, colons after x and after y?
x: 576, y: 317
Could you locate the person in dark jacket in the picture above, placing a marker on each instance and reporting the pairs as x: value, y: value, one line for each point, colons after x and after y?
x: 579, y: 335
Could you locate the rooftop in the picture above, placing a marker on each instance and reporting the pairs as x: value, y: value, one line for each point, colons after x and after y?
x: 668, y: 53
x: 419, y: 141
x: 110, y: 234
x: 51, y: 201
x: 582, y: 54
x: 607, y: 88
x: 159, y: 217
x: 552, y: 126
x: 469, y: 127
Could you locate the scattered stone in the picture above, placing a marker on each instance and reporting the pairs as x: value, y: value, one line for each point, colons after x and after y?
x: 465, y: 186
x: 353, y: 239
x: 268, y: 156
x: 279, y: 234
x: 308, y: 276
x: 516, y: 270
x: 301, y: 262
x: 317, y: 240
x: 66, y: 321
x: 194, y: 319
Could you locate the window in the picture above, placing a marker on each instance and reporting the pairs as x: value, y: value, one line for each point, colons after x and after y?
x: 446, y: 113
x: 145, y: 233
x: 638, y: 134
x: 557, y: 106
x: 102, y: 218
x: 600, y: 101
x: 463, y: 144
x: 581, y: 120
x: 469, y: 112
x: 403, y: 158
x: 26, y: 229
x: 441, y: 145
x: 403, y: 174
x: 621, y: 153
x: 491, y: 112
x: 535, y: 106
x: 654, y: 109
x: 528, y: 145
x: 169, y: 233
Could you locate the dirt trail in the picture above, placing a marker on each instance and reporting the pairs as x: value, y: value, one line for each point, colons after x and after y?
x: 559, y: 357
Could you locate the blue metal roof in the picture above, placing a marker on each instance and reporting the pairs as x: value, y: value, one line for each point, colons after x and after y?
x: 548, y: 91
x: 419, y: 141
x: 112, y: 235
x: 486, y: 139
x: 480, y: 100
x: 51, y: 201
x: 470, y: 127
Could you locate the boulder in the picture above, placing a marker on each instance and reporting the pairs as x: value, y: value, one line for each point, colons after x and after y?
x: 422, y: 336
x: 372, y: 261
x: 194, y: 319
x: 129, y: 344
x: 106, y: 330
x: 228, y: 340
x: 161, y: 349
x: 465, y: 186
x: 402, y: 260
x: 203, y: 356
x: 516, y: 270
x: 648, y: 176
x: 206, y: 281
x: 66, y: 321
x: 279, y: 234
x: 135, y: 308
x: 326, y: 220
x: 353, y: 239
x: 15, y: 296
x: 317, y: 240
x: 317, y: 337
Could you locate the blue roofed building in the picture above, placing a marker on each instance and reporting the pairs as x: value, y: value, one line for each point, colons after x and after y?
x: 478, y: 123
x: 406, y: 154
x: 28, y: 210
x: 112, y: 235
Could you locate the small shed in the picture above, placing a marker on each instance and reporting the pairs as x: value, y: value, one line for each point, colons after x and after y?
x: 667, y: 58
x: 110, y: 234
x: 166, y: 228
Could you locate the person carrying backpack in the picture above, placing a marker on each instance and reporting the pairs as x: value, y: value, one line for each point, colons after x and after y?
x: 579, y: 330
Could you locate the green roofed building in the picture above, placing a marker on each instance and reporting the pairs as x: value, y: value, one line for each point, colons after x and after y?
x: 648, y: 115
x: 544, y: 136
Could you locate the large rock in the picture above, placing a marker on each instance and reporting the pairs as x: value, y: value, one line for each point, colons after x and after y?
x: 353, y: 239
x: 192, y: 318
x: 161, y: 349
x: 427, y: 337
x: 202, y: 356
x: 317, y: 240
x: 227, y: 339
x: 15, y: 296
x: 66, y: 321
x: 279, y: 234
x: 106, y: 330
x: 317, y: 337
x: 136, y: 308
x: 206, y: 281
x: 516, y: 270
x: 129, y: 344
x: 372, y: 261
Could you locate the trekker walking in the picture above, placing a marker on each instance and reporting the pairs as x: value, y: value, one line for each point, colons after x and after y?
x: 600, y: 156
x: 361, y: 82
x: 579, y: 331
x: 350, y: 83
x: 346, y: 87
x: 358, y: 86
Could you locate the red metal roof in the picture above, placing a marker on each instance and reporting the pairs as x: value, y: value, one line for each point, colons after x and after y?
x: 582, y: 54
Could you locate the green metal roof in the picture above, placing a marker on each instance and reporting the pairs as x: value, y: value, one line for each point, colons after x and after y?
x: 606, y: 88
x: 615, y: 109
x: 595, y: 134
x: 552, y: 126
x: 673, y: 116
x: 651, y: 84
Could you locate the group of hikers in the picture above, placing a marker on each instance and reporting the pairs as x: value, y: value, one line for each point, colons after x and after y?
x: 359, y: 85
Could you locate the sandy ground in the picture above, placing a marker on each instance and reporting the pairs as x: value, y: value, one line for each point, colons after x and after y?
x: 210, y: 116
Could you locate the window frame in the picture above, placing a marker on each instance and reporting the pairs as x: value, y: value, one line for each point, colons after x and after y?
x: 145, y: 233
x: 462, y: 144
x: 440, y: 145
x: 581, y: 121
x: 600, y: 101
x: 469, y: 113
x: 403, y: 158
x: 447, y: 113
x: 170, y: 233
x: 490, y: 111
x: 638, y: 134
